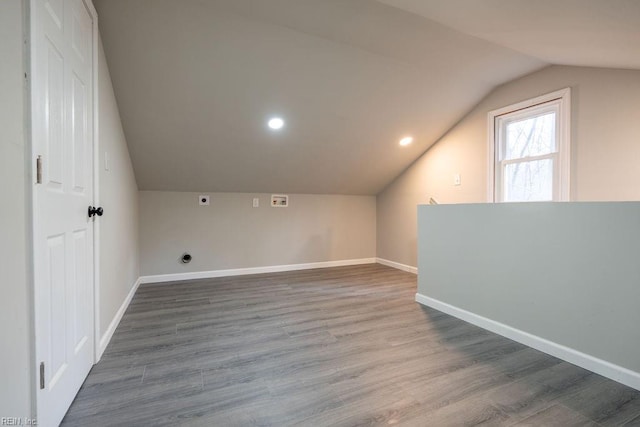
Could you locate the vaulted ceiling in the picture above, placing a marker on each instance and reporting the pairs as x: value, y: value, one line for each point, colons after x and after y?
x: 197, y: 80
x: 592, y: 33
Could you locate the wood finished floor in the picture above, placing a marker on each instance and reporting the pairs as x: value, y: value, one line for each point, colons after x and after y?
x: 343, y: 346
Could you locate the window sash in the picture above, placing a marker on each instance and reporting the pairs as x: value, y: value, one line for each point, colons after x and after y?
x: 500, y: 123
x: 504, y: 120
x: 501, y: 182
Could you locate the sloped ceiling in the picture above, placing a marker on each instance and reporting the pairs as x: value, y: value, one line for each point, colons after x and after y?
x: 593, y: 33
x: 196, y: 81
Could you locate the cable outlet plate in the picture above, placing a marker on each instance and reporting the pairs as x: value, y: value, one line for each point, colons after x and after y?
x: 204, y: 200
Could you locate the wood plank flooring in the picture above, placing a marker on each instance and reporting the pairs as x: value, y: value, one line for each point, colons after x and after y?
x: 342, y: 346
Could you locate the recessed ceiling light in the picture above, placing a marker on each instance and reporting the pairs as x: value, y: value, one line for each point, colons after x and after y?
x: 406, y: 140
x: 275, y: 123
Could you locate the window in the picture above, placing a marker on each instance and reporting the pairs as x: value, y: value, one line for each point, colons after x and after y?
x: 529, y: 150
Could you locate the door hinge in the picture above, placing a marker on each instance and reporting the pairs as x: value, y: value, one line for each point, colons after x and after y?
x: 41, y: 375
x: 39, y: 170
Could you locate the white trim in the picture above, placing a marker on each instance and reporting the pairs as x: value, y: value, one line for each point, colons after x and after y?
x: 564, y: 154
x: 491, y: 157
x: 108, y: 334
x: 175, y: 277
x: 599, y: 366
x: 403, y: 267
x: 34, y: 149
x: 97, y: 352
x: 29, y: 164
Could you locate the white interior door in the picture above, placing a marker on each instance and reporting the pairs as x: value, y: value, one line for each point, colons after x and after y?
x: 62, y: 133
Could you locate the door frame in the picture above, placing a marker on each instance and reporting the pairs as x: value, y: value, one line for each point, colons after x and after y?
x: 30, y: 7
x: 96, y: 178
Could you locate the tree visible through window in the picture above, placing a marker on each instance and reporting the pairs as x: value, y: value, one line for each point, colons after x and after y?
x: 529, y: 153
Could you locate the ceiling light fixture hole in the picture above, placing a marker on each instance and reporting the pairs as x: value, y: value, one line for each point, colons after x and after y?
x: 275, y: 123
x: 406, y: 141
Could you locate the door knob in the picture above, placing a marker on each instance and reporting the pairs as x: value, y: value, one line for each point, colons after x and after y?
x: 95, y: 211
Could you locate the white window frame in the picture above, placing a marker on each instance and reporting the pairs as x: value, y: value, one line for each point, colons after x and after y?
x: 562, y: 159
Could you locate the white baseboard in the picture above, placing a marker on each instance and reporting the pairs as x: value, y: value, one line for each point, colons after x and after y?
x: 593, y: 364
x: 403, y: 267
x: 106, y: 337
x: 161, y: 278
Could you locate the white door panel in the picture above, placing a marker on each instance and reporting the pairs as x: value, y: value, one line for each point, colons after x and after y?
x: 62, y: 111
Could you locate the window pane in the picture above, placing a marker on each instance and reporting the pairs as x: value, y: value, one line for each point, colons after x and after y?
x: 531, y: 137
x: 528, y: 181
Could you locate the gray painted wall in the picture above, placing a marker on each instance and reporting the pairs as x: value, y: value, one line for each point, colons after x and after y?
x: 566, y: 272
x: 16, y: 373
x: 230, y: 233
x: 119, y: 251
x: 605, y: 151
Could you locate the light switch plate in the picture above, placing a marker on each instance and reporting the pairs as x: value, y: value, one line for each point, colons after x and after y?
x: 256, y: 202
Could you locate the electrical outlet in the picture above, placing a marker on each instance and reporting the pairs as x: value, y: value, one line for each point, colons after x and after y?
x: 204, y: 200
x: 456, y: 179
x: 256, y: 202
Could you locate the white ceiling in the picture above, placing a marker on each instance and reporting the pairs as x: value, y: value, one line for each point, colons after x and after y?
x: 594, y: 33
x: 196, y: 81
